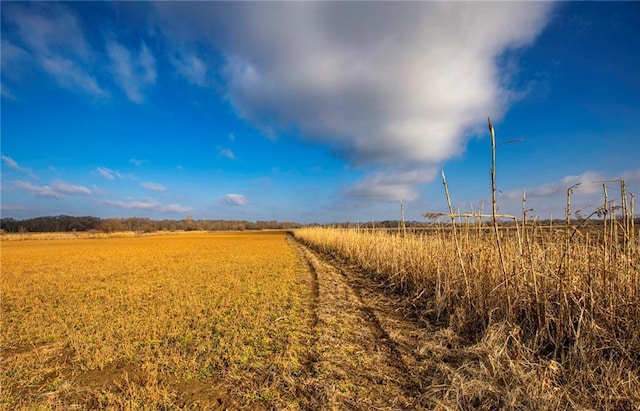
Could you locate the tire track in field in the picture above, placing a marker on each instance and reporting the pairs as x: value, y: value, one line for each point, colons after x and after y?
x: 401, y: 361
x: 352, y: 362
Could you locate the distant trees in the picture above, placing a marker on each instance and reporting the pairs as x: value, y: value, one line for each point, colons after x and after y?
x: 143, y: 225
x: 50, y: 224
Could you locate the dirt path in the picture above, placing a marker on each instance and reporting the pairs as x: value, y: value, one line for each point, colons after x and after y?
x: 368, y: 351
x: 353, y: 362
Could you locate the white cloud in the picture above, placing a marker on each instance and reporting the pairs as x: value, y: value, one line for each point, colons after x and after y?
x: 153, y: 186
x: 133, y: 73
x: 225, y: 152
x: 40, y: 191
x: 11, y: 163
x: 57, y: 190
x: 98, y: 190
x: 233, y: 200
x: 391, y: 185
x: 67, y: 188
x: 587, y: 193
x: 113, y: 174
x: 108, y: 174
x: 149, y: 205
x: 589, y: 182
x: 51, y: 34
x: 137, y: 162
x: 6, y: 93
x: 70, y: 76
x: 192, y: 68
x: 384, y: 84
x: 11, y: 54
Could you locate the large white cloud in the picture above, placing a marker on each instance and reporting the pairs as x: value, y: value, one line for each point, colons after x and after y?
x: 384, y: 84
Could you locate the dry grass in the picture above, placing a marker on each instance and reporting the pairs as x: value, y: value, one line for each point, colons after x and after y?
x: 560, y: 333
x: 189, y: 320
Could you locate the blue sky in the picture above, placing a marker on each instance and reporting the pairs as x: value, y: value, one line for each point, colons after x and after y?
x: 315, y: 112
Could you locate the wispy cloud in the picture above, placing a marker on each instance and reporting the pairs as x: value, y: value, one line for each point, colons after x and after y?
x: 225, y: 152
x: 233, y: 200
x: 134, y: 71
x: 68, y: 188
x: 70, y: 76
x: 57, y: 190
x: 40, y: 191
x: 192, y: 68
x: 13, y: 61
x: 108, y: 173
x: 149, y: 205
x: 136, y: 162
x: 6, y: 93
x: 153, y: 186
x: 13, y: 164
x: 51, y: 34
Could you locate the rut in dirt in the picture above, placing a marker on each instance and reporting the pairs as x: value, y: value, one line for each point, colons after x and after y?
x: 352, y: 361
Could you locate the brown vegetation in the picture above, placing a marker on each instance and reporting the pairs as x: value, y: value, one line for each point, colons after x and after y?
x: 564, y: 323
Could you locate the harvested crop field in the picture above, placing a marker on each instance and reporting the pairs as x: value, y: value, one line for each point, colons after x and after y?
x: 199, y: 320
x: 254, y: 320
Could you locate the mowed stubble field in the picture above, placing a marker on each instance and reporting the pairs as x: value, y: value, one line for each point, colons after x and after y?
x: 184, y: 320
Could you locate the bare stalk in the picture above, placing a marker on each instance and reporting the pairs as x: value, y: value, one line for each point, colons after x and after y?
x: 633, y: 242
x: 605, y: 211
x: 567, y: 244
x: 625, y: 226
x: 455, y: 235
x: 524, y: 209
x: 404, y: 227
x: 495, y: 212
x: 633, y: 218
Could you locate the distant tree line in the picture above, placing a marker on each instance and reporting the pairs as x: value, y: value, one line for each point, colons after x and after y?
x: 50, y: 224
x: 64, y: 223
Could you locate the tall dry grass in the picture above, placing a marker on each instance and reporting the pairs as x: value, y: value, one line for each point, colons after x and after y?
x: 562, y: 303
x: 581, y: 318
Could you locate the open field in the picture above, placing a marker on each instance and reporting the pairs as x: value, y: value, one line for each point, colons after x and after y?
x: 324, y: 319
x: 197, y: 320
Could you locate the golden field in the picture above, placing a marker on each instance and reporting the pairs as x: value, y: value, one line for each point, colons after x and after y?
x: 157, y: 322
